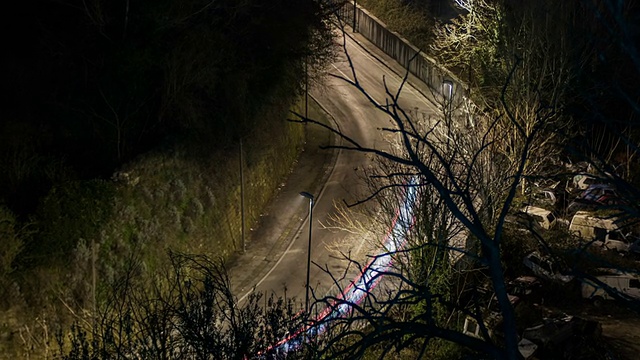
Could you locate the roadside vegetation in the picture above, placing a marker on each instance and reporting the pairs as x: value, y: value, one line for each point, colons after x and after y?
x: 554, y: 95
x: 120, y: 143
x: 187, y: 312
x: 549, y: 104
x: 412, y: 19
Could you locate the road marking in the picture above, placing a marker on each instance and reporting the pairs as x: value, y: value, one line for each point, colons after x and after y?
x: 347, y: 77
x: 306, y: 220
x: 287, y: 250
x: 341, y: 73
x: 407, y: 85
x: 386, y: 70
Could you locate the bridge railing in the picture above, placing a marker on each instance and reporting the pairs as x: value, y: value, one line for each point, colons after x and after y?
x: 439, y: 79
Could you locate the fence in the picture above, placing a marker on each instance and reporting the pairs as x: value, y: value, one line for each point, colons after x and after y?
x: 425, y: 68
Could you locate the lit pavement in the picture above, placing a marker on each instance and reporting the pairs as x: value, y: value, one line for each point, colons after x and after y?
x: 276, y: 256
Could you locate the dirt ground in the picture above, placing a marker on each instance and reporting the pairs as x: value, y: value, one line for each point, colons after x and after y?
x: 620, y: 328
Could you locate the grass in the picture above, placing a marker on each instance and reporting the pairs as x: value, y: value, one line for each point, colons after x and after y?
x: 170, y: 199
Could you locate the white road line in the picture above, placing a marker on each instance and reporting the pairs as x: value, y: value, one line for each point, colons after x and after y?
x: 406, y: 87
x: 341, y: 73
x: 306, y: 221
x: 386, y: 70
x: 347, y: 77
x: 277, y: 262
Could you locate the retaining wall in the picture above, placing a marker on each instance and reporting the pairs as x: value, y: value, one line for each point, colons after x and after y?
x: 410, y: 57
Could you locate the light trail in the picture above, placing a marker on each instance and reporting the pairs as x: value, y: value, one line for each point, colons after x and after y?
x: 368, y: 279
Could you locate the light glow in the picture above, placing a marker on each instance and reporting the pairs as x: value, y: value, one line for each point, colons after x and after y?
x: 366, y: 281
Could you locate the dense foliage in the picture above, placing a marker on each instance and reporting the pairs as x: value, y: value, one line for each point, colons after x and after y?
x: 119, y: 137
x: 412, y: 19
x: 91, y: 84
x: 554, y: 91
x: 190, y: 313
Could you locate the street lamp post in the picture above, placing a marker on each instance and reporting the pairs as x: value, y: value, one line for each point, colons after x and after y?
x: 306, y: 298
x: 243, y: 245
x: 447, y: 90
x: 355, y: 9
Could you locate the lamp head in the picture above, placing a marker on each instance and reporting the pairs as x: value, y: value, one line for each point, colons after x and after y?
x: 307, y: 195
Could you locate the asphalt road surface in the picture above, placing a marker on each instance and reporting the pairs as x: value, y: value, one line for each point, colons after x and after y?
x: 277, y: 257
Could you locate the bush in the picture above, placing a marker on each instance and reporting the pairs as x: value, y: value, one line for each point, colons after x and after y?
x: 71, y: 212
x: 411, y: 20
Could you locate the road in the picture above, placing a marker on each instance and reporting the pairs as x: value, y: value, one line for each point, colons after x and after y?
x: 271, y: 268
x: 356, y: 117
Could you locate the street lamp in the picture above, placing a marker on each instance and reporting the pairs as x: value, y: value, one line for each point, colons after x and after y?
x: 355, y: 9
x: 306, y: 298
x: 447, y: 89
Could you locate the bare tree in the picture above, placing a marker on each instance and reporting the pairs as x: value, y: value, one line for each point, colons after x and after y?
x: 189, y: 313
x: 457, y: 164
x: 528, y: 43
x: 466, y: 179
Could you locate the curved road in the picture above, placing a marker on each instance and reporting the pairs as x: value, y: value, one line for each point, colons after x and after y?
x: 356, y: 117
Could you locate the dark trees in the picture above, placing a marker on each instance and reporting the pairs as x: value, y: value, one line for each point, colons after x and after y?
x: 92, y: 84
x: 469, y: 176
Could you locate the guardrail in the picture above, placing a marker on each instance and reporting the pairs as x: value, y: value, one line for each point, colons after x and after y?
x: 439, y: 79
x: 366, y: 281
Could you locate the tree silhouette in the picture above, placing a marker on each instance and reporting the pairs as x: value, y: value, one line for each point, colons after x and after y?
x: 455, y: 162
